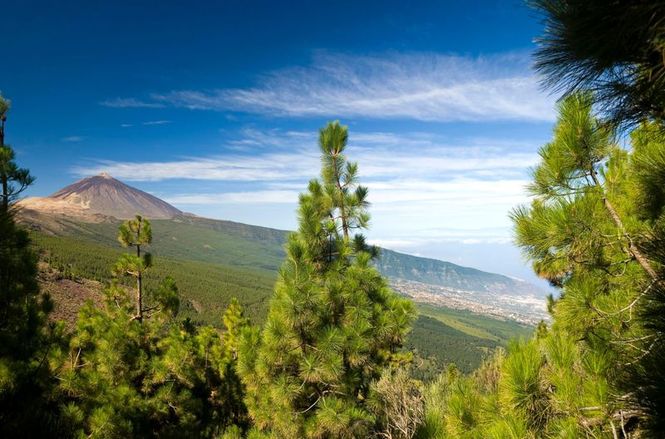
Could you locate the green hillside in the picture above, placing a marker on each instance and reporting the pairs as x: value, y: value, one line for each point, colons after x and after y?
x: 476, y: 325
x: 191, y: 238
x: 242, y: 245
x: 212, y: 266
x: 447, y: 274
x: 206, y: 288
x: 444, y: 335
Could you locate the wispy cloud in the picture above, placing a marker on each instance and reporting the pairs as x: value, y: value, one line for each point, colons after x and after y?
x: 287, y: 156
x: 147, y: 123
x: 462, y: 192
x: 428, y: 87
x: 130, y: 103
x: 157, y: 122
x: 73, y: 139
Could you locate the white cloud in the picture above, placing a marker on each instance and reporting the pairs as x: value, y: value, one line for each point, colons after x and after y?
x: 147, y: 123
x: 270, y: 196
x: 460, y: 192
x: 421, y: 86
x: 394, y: 243
x: 404, y: 214
x: 423, y: 187
x: 275, y: 156
x: 278, y: 166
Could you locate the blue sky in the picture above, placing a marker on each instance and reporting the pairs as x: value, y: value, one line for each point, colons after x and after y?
x: 215, y: 107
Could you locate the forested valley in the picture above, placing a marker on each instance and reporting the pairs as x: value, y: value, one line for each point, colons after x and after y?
x: 330, y: 358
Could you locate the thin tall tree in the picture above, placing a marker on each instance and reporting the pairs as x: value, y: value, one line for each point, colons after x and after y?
x: 14, y: 179
x: 135, y: 233
x: 334, y: 325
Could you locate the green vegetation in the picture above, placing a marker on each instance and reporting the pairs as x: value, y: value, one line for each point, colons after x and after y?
x: 595, y: 230
x: 220, y: 242
x: 444, y: 336
x: 188, y: 238
x: 26, y: 403
x: 132, y: 369
x: 206, y: 288
x: 613, y: 49
x: 592, y: 229
x: 477, y: 325
x: 135, y: 233
x: 436, y: 345
x: 253, y: 247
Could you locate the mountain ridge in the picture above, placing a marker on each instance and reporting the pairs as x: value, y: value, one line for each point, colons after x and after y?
x: 448, y: 274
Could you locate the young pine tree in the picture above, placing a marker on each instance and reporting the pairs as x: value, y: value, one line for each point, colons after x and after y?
x: 135, y: 233
x: 134, y: 370
x: 333, y: 324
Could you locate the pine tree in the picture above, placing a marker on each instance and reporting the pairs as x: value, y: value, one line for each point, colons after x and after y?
x: 333, y: 324
x: 339, y: 178
x: 586, y: 233
x: 26, y: 406
x: 14, y: 179
x: 134, y: 370
x: 644, y: 378
x: 594, y: 230
x: 135, y: 233
x: 614, y: 49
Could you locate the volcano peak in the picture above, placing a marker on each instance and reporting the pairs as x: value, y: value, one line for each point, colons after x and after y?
x: 103, y: 195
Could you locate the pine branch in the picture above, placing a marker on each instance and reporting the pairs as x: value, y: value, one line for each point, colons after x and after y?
x: 632, y: 248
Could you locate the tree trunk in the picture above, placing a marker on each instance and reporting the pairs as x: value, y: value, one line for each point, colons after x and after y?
x: 632, y: 248
x: 139, y: 299
x: 139, y: 285
x: 3, y: 175
x: 5, y: 193
x: 342, y: 207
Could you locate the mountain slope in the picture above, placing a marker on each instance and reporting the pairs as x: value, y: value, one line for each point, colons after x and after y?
x: 75, y: 270
x: 103, y: 195
x: 89, y: 209
x: 449, y: 275
x: 215, y: 260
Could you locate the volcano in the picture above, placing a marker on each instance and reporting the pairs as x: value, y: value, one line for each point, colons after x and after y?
x: 102, y: 195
